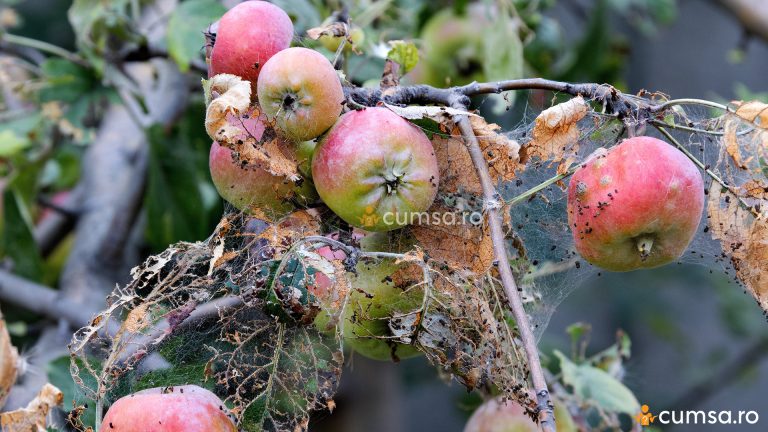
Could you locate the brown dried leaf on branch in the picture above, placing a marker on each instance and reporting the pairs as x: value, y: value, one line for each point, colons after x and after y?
x: 501, y: 152
x: 228, y: 95
x: 556, y: 134
x: 746, y: 135
x: 9, y: 361
x: 738, y: 221
x: 33, y: 417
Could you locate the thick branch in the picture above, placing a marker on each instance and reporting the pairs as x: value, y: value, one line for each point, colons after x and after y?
x: 493, y: 204
x: 752, y: 14
x: 40, y: 299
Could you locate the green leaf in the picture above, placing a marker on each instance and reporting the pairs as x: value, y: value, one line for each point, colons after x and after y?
x: 18, y: 242
x: 502, y: 57
x: 65, y: 81
x: 404, y: 53
x: 186, y: 26
x: 99, y: 25
x: 181, y: 202
x: 11, y: 143
x: 597, y: 386
x: 59, y: 375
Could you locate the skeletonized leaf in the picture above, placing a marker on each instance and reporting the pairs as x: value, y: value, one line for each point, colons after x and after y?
x: 33, y: 417
x: 436, y: 113
x: 736, y: 220
x: 9, y: 361
x: 556, y: 134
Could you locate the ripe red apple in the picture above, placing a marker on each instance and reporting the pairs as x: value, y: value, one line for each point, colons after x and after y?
x: 251, y: 188
x: 248, y: 35
x: 186, y: 408
x: 375, y: 170
x: 635, y: 206
x: 496, y: 415
x: 300, y: 90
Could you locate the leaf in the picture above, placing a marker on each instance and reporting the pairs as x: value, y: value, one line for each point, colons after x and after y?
x: 435, y: 113
x: 59, y: 376
x: 11, y: 144
x: 33, y: 417
x: 180, y: 202
x: 502, y: 56
x: 501, y: 153
x: 404, y: 53
x: 185, y: 35
x: 597, y: 386
x: 99, y: 25
x: 556, y: 134
x: 65, y: 81
x: 737, y: 218
x: 9, y: 362
x: 230, y: 96
x: 18, y: 241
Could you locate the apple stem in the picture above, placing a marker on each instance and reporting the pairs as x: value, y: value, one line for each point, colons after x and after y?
x: 644, y: 244
x: 544, y: 406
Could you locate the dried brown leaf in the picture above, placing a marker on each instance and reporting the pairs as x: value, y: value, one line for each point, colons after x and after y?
x: 230, y: 96
x: 501, y: 152
x: 292, y: 228
x: 556, y: 134
x: 33, y: 417
x: 459, y: 245
x: 747, y: 143
x: 735, y: 220
x: 9, y: 361
x: 457, y: 172
x: 334, y: 29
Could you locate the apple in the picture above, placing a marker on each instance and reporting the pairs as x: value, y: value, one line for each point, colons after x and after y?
x: 374, y: 298
x: 496, y: 415
x: 254, y: 189
x: 356, y: 37
x: 375, y: 170
x: 301, y: 91
x: 453, y: 48
x: 187, y: 408
x: 635, y: 206
x: 247, y: 36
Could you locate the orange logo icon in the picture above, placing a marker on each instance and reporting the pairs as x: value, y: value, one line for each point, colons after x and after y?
x: 369, y: 219
x: 645, y: 418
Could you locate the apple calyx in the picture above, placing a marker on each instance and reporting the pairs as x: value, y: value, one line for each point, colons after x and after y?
x: 644, y: 245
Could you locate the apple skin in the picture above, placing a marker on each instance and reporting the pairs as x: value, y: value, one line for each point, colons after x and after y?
x: 251, y: 188
x: 300, y: 90
x: 373, y: 298
x: 373, y: 169
x: 637, y: 205
x: 186, y: 408
x: 248, y: 35
x: 495, y: 415
x: 331, y: 43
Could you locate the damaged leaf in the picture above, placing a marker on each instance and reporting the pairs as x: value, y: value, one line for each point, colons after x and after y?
x: 556, y: 134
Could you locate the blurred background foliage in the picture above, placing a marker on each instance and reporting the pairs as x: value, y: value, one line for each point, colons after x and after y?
x: 63, y: 64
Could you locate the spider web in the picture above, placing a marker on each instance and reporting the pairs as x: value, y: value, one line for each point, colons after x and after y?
x: 261, y: 312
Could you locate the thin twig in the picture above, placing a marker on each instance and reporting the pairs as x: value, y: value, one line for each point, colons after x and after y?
x: 43, y: 46
x: 492, y: 201
x: 532, y: 191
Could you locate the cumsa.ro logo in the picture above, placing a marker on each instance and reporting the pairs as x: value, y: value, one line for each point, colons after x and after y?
x: 726, y: 417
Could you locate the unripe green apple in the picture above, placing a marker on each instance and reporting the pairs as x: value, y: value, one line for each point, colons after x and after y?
x: 635, y: 206
x: 186, y: 408
x: 247, y: 36
x: 496, y: 415
x: 375, y: 170
x: 374, y: 297
x: 300, y: 90
x: 331, y: 43
x: 453, y: 48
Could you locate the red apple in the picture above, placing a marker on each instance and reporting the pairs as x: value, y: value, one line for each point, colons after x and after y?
x: 496, y: 415
x: 186, y: 408
x: 248, y: 35
x: 254, y: 189
x: 300, y: 90
x: 635, y: 206
x: 375, y: 170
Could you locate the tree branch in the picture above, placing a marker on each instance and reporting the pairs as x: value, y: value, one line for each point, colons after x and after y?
x: 492, y: 200
x: 40, y: 299
x: 752, y: 14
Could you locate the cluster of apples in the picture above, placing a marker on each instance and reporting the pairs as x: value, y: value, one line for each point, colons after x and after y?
x: 366, y: 163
